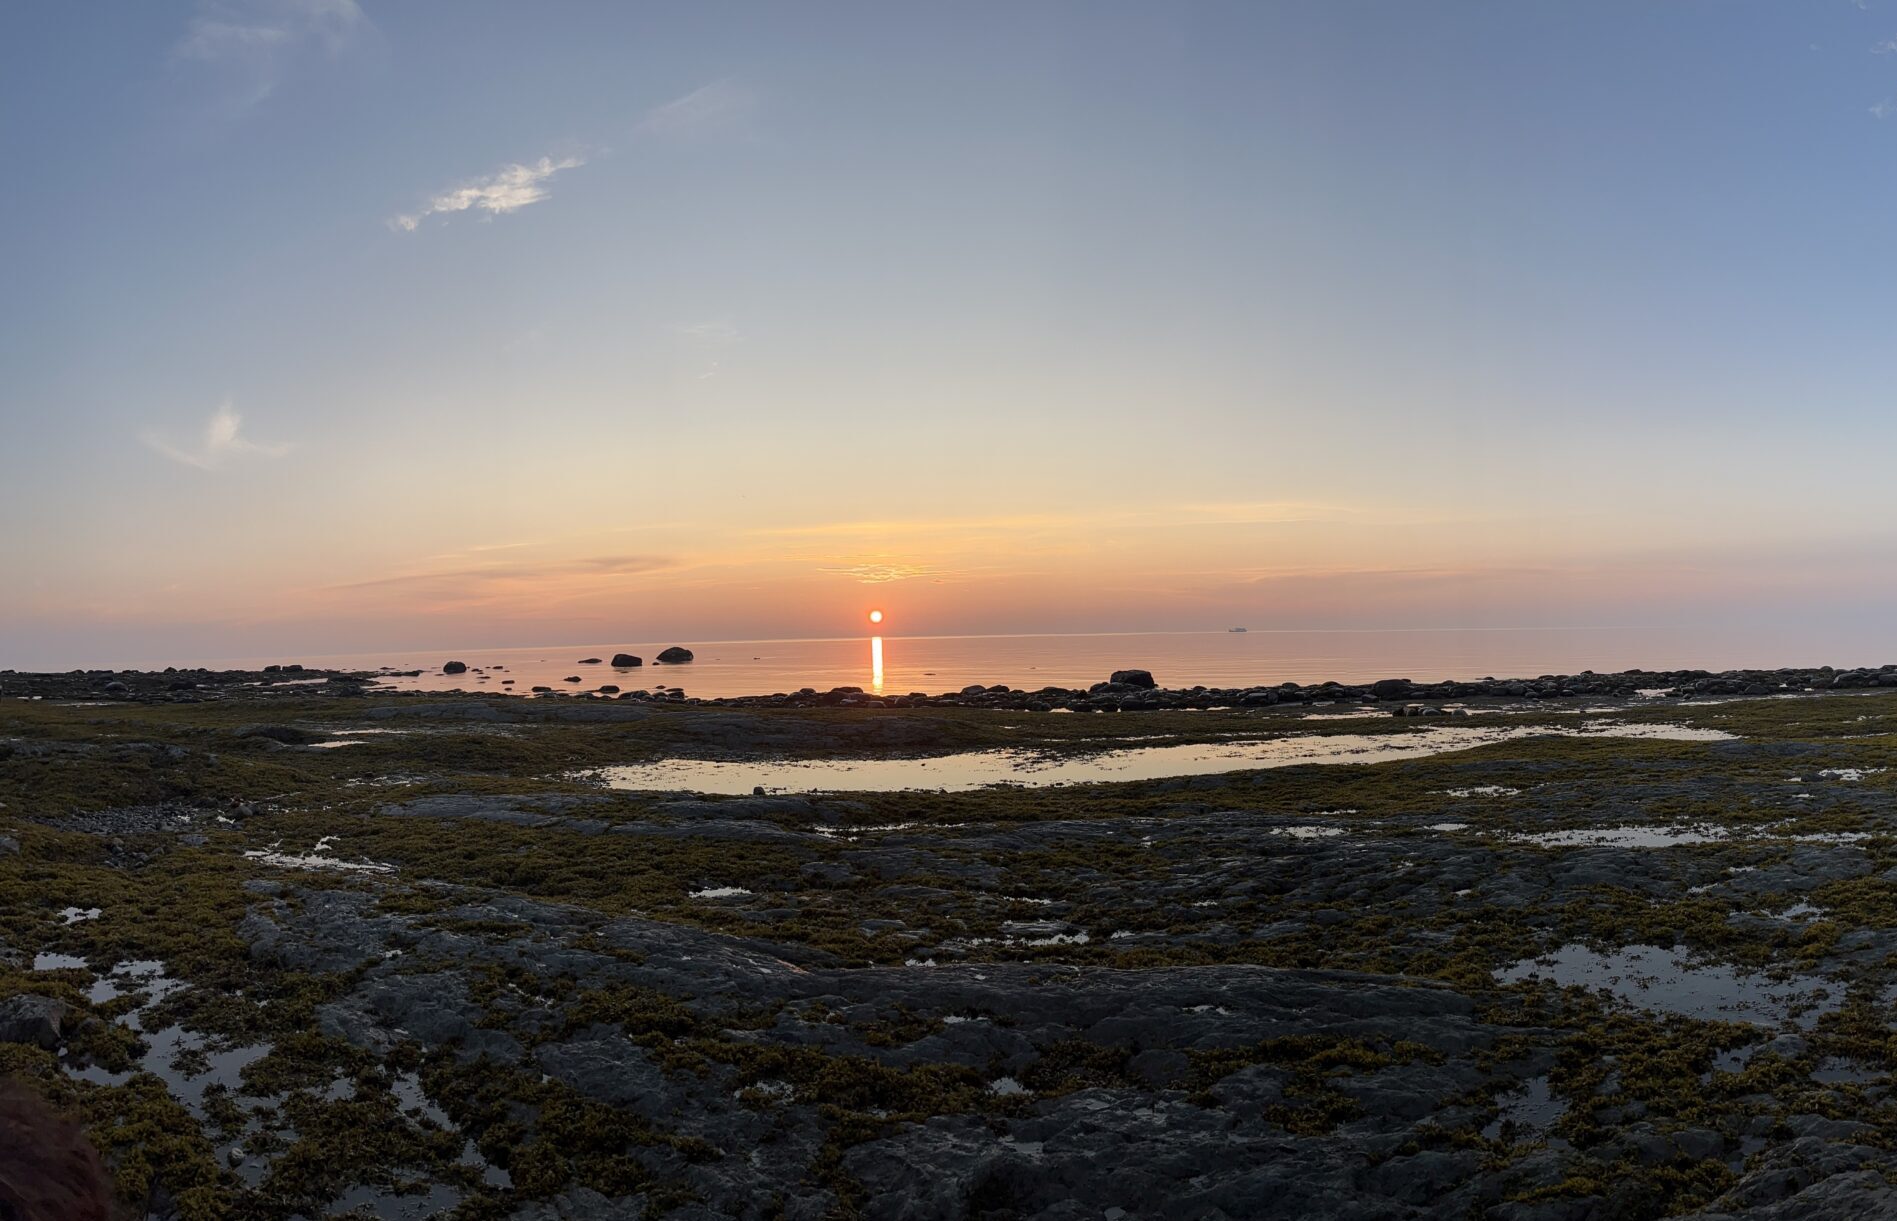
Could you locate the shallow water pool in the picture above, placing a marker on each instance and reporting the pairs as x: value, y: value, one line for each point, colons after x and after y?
x: 982, y: 769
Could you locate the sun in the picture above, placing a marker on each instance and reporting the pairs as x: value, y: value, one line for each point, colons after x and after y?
x: 876, y: 616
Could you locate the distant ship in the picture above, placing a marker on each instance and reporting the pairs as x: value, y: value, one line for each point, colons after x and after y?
x: 1237, y: 629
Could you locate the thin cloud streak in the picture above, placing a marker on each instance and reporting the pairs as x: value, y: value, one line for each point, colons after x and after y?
x: 509, y: 189
x: 471, y: 579
x: 721, y: 106
x: 250, y: 46
x: 223, y: 440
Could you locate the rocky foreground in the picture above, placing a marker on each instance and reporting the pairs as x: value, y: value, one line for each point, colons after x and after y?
x: 293, y: 948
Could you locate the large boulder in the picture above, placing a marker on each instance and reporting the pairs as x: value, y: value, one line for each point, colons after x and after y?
x: 39, y: 1021
x: 1133, y: 678
x: 675, y: 655
x: 1391, y: 688
x: 455, y: 667
x: 627, y: 660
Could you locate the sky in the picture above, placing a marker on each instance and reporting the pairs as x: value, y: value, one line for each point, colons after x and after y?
x: 335, y: 325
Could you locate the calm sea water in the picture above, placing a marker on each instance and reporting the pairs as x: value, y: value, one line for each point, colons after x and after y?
x: 897, y: 665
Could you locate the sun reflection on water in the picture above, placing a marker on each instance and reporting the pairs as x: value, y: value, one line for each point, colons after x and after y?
x: 876, y: 664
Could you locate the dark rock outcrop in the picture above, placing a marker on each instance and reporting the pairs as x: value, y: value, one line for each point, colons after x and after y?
x: 38, y: 1021
x: 675, y: 656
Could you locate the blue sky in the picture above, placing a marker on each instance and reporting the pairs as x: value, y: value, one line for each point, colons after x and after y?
x: 339, y: 326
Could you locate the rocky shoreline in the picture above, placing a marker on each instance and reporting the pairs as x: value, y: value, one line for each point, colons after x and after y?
x: 1125, y: 691
x: 295, y: 947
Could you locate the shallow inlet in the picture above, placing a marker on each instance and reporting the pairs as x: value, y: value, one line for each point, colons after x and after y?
x: 981, y: 769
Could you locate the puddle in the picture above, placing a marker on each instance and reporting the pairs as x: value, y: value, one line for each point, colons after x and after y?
x: 1670, y: 981
x: 1667, y: 836
x: 431, y: 1200
x: 1484, y: 790
x: 1447, y: 827
x: 1525, y: 1112
x: 1851, y: 774
x: 720, y: 892
x: 1677, y: 835
x: 982, y: 769
x: 190, y: 1064
x: 73, y: 915
x: 1006, y: 1087
x: 1834, y: 1070
x: 316, y: 858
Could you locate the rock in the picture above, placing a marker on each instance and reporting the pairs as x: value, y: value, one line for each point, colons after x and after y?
x: 625, y: 660
x: 587, y: 661
x: 455, y: 667
x: 9, y: 846
x: 39, y: 1021
x: 609, y: 689
x: 289, y: 735
x: 675, y: 656
x: 1133, y: 678
x: 1391, y: 688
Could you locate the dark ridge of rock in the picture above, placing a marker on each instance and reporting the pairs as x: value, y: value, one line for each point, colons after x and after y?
x: 288, y: 735
x: 587, y: 661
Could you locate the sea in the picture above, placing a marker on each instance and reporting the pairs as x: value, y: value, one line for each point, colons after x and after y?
x: 898, y: 665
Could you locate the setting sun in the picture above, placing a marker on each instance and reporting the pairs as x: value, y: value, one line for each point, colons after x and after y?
x: 876, y: 616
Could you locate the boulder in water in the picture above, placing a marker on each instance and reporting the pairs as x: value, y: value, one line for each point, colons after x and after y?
x: 1133, y: 678
x: 455, y: 667
x: 675, y: 656
x: 626, y: 660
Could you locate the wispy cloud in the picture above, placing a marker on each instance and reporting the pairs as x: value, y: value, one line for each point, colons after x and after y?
x: 248, y: 47
x: 528, y: 585
x: 883, y: 572
x: 1885, y: 47
x: 1258, y: 513
x: 509, y: 189
x: 1884, y: 109
x: 705, y: 344
x: 223, y: 440
x: 473, y: 576
x: 721, y: 106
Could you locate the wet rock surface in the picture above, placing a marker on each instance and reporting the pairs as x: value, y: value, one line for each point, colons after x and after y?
x: 439, y: 972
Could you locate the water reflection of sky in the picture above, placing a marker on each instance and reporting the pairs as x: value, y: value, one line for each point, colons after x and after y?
x: 978, y: 769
